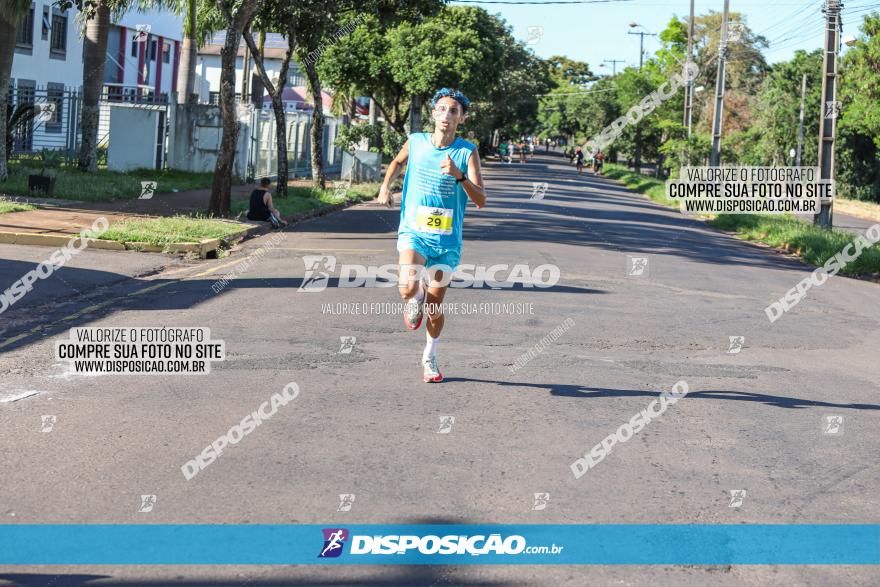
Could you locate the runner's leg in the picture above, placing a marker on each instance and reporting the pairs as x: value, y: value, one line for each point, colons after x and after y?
x: 433, y: 300
x: 411, y: 264
x: 435, y: 294
x: 409, y: 285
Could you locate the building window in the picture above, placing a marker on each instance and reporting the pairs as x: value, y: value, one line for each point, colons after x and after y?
x: 55, y: 93
x: 58, y: 44
x: 153, y: 50
x: 166, y: 53
x: 213, y: 98
x: 296, y: 79
x: 46, y: 25
x: 25, y: 35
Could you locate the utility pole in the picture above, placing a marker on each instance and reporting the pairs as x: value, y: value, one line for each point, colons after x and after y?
x: 641, y: 34
x: 830, y: 106
x: 715, y: 155
x: 800, y: 143
x: 613, y: 63
x: 689, y: 89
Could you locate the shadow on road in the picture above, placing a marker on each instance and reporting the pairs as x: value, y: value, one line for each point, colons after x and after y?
x: 389, y: 576
x: 587, y: 211
x: 582, y: 391
x: 62, y: 302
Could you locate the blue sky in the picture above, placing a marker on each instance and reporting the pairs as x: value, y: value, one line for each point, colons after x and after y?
x: 596, y: 32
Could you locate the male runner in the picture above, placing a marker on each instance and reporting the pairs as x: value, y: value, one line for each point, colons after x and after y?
x: 435, y: 194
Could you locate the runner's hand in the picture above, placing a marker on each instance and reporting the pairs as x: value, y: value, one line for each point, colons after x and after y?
x: 449, y: 168
x: 385, y: 198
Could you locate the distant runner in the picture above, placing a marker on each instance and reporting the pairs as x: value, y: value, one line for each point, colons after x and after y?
x: 435, y: 194
x: 579, y: 158
x: 598, y: 160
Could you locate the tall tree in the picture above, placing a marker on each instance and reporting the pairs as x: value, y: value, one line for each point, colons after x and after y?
x: 11, y: 12
x: 858, y: 153
x: 277, y: 15
x: 94, y: 58
x: 186, y: 72
x: 316, y: 24
x: 236, y: 15
x: 569, y: 72
x: 358, y: 64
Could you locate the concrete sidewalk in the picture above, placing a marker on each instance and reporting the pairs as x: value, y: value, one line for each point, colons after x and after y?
x: 57, y: 217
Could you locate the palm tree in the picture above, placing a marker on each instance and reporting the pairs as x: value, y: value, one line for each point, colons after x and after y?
x: 94, y: 58
x: 186, y: 74
x: 11, y: 12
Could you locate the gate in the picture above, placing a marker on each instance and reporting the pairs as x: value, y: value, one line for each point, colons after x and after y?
x: 263, y: 153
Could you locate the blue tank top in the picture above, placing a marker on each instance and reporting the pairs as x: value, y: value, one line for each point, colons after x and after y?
x: 433, y: 204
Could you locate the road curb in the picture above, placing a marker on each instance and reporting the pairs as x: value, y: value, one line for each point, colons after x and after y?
x: 204, y: 247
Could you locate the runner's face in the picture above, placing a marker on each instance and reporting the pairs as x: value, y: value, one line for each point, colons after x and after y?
x: 448, y: 114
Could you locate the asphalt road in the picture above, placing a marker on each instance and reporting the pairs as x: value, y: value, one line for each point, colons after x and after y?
x: 365, y: 424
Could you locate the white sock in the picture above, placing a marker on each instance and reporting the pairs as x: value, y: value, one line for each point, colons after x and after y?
x: 430, y: 346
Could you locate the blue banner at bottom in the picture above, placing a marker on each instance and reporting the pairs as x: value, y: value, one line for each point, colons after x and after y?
x: 452, y: 544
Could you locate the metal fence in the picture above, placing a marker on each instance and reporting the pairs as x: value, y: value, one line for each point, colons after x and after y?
x: 263, y: 153
x: 55, y: 125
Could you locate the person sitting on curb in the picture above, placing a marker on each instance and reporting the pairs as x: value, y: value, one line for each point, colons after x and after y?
x: 261, y: 207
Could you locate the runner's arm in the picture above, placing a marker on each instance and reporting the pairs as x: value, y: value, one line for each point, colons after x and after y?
x: 391, y: 175
x: 267, y: 199
x: 473, y: 185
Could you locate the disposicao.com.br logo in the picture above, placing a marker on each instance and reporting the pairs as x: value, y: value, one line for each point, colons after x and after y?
x: 334, y: 540
x: 320, y: 269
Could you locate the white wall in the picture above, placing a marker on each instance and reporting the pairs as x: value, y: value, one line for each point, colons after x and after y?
x: 209, y: 68
x: 162, y: 22
x: 42, y: 69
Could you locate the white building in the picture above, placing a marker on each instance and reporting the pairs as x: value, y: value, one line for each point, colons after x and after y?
x: 142, y: 63
x: 49, y: 50
x: 209, y: 61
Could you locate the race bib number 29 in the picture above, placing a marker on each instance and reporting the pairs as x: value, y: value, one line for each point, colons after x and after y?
x: 434, y: 220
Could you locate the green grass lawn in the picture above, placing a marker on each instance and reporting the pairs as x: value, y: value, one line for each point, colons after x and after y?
x: 72, y: 184
x: 653, y: 188
x: 14, y: 207
x: 813, y: 245
x: 303, y: 199
x: 175, y: 229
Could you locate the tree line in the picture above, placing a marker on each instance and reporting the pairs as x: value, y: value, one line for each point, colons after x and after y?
x: 762, y: 104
